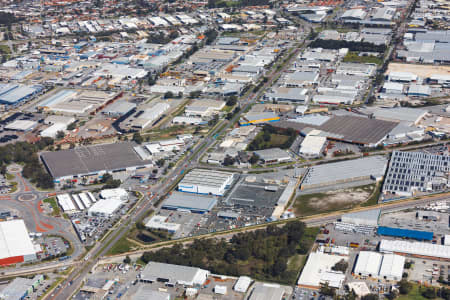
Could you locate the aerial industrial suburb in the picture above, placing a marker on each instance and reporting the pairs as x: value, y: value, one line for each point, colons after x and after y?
x: 225, y: 149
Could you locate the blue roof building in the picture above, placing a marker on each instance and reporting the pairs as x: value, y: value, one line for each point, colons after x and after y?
x: 406, y: 233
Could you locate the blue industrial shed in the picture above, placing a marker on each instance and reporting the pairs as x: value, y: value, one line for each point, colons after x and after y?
x: 406, y: 233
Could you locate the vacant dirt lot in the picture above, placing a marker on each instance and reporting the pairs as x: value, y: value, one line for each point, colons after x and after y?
x: 330, y: 201
x: 419, y: 70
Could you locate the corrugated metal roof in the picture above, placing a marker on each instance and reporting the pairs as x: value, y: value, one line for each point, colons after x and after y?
x: 405, y: 233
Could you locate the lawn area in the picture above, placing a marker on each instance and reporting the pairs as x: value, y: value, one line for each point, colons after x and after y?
x: 276, y: 140
x: 325, y: 202
x: 354, y: 57
x: 296, y: 262
x: 9, y: 176
x: 227, y: 108
x: 123, y: 245
x: 52, y: 201
x: 415, y: 294
x: 14, y: 187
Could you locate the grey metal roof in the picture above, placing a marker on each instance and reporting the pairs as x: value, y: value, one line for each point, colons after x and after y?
x: 345, y: 170
x: 91, y: 159
x: 267, y: 292
x: 16, y: 289
x: 351, y: 129
x: 148, y: 293
x: 206, y: 178
x: 119, y: 107
x: 173, y: 273
x: 399, y: 114
x: 179, y: 200
x: 272, y: 154
x: 372, y: 214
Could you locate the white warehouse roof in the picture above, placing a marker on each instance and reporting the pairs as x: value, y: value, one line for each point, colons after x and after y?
x: 392, y: 266
x: 14, y: 239
x: 174, y: 274
x: 242, y: 284
x: 312, y: 145
x: 388, y: 266
x: 368, y: 263
x: 318, y: 270
x: 105, y: 207
x: 415, y: 248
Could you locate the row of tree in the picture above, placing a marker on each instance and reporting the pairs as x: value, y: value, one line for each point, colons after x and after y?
x: 352, y: 46
x: 262, y: 254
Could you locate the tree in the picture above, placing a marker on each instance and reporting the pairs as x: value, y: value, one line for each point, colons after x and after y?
x: 231, y: 101
x: 60, y: 135
x: 341, y: 265
x: 429, y: 293
x: 392, y: 295
x: 171, y: 165
x: 370, y: 297
x: 137, y: 138
x: 404, y: 287
x: 160, y: 162
x: 195, y: 94
x: 106, y: 177
x: 327, y: 290
x: 168, y: 94
x: 127, y: 260
x: 254, y: 159
x: 228, y: 161
x: 408, y: 264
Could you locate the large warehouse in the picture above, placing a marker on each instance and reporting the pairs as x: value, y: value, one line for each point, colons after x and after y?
x: 416, y: 249
x: 373, y: 264
x: 12, y: 94
x: 15, y: 244
x: 410, y: 172
x: 92, y: 160
x: 356, y: 130
x: 194, y: 203
x: 372, y: 167
x: 406, y: 233
x: 173, y: 274
x: 317, y: 271
x: 207, y: 182
x: 368, y: 217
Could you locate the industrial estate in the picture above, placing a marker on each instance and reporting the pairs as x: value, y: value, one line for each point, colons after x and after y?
x: 225, y: 150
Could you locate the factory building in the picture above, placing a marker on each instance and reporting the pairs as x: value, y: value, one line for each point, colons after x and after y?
x: 273, y: 156
x: 12, y: 94
x: 372, y: 167
x: 16, y: 245
x: 21, y: 288
x: 317, y: 271
x: 173, y: 274
x: 105, y: 207
x: 92, y: 161
x: 411, y: 172
x: 207, y: 182
x: 383, y: 266
x: 367, y: 218
x: 312, y: 145
x: 267, y: 291
x: 146, y: 117
x: 21, y: 125
x: 252, y: 118
x: 405, y: 233
x: 194, y: 203
x: 159, y: 222
x: 416, y: 249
